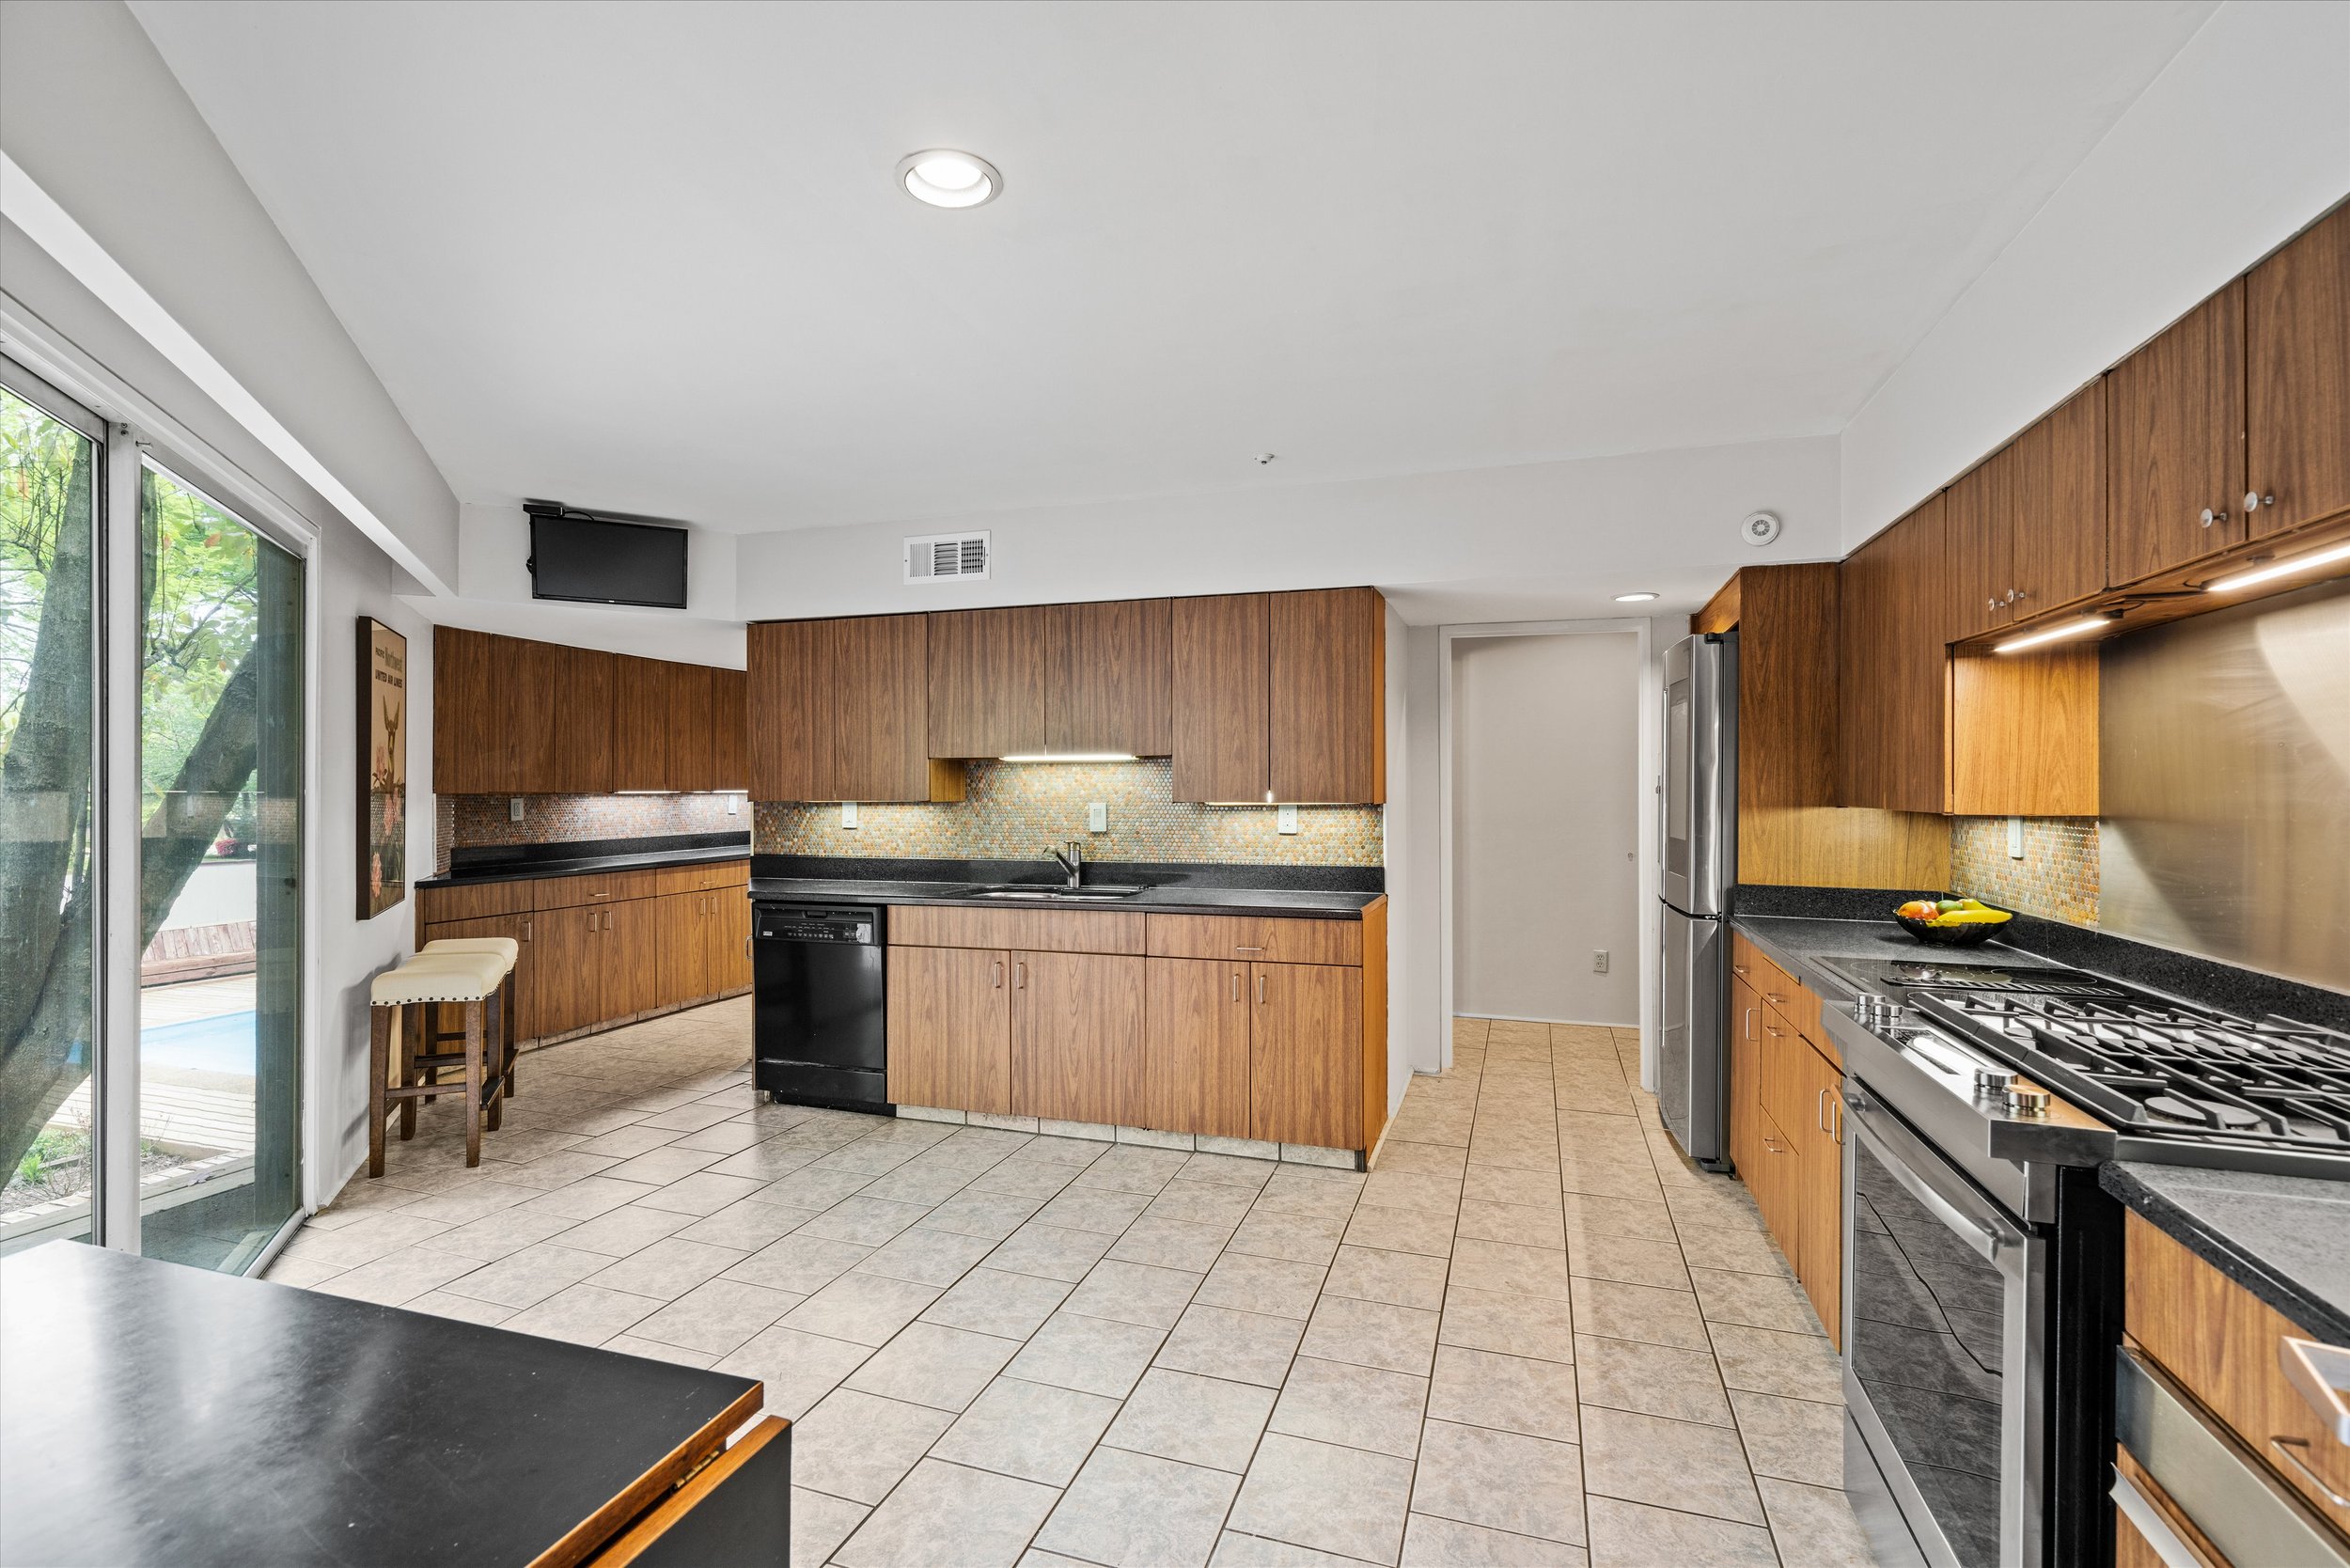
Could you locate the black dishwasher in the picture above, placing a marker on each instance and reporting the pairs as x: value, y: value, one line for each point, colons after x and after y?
x: 819, y: 997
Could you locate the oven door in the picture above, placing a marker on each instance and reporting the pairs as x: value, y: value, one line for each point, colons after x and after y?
x: 1944, y: 1296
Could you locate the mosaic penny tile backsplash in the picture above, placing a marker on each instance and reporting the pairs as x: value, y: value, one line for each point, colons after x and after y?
x: 1014, y: 811
x: 2056, y: 879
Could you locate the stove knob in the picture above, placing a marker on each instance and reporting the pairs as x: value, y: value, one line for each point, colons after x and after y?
x: 1991, y: 1081
x: 2028, y: 1102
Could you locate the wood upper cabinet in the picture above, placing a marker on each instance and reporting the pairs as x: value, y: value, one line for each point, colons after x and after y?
x: 1196, y: 1046
x: 1306, y: 1055
x: 1786, y: 617
x: 640, y: 727
x: 523, y: 677
x: 687, y: 722
x: 1891, y: 668
x: 986, y: 682
x: 1222, y: 688
x: 465, y: 711
x: 2296, y: 380
x: 729, y: 733
x: 1978, y: 544
x: 840, y: 711
x: 950, y: 1029
x: 579, y: 755
x: 1328, y: 705
x: 2175, y: 443
x: 2057, y: 500
x: 1077, y: 1036
x: 1106, y: 677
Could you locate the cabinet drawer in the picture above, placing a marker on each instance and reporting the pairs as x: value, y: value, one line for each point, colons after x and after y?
x: 1257, y: 938
x: 473, y: 901
x: 2221, y: 1343
x: 566, y: 892
x: 1042, y: 930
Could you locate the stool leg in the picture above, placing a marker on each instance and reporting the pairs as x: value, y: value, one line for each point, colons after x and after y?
x: 410, y: 1025
x: 473, y: 1083
x: 493, y: 1063
x: 379, y: 1068
x: 506, y: 1013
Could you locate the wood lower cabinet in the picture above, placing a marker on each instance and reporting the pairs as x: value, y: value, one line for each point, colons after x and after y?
x: 1786, y: 1123
x: 628, y: 957
x: 684, y: 946
x: 1306, y: 1056
x: 567, y: 992
x: 2296, y: 380
x: 1819, y: 1250
x: 1745, y: 1075
x: 1777, y: 1180
x: 950, y: 1023
x: 1196, y: 1055
x: 727, y: 932
x: 1078, y: 1038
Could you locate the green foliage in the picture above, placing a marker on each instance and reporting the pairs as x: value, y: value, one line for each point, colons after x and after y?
x: 36, y: 468
x: 201, y: 618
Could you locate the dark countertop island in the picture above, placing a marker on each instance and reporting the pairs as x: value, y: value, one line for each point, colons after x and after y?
x: 153, y: 1413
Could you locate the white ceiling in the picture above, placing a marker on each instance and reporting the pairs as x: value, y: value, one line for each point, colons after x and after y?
x: 650, y: 256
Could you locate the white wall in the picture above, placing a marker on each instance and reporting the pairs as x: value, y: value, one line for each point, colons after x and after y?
x: 1544, y: 541
x: 2243, y: 139
x: 1545, y: 826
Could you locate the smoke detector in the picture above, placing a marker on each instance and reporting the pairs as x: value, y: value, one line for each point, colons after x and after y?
x: 1760, y: 528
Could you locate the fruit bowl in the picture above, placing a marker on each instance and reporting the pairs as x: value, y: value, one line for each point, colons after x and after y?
x: 1944, y: 931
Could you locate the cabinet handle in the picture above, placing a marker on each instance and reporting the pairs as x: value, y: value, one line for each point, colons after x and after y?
x: 1000, y: 981
x: 1739, y: 970
x: 1775, y: 1034
x: 1261, y: 991
x: 1236, y: 985
x: 2211, y: 517
x: 2254, y: 500
x: 2011, y: 597
x: 2289, y: 1450
x: 1241, y: 950
x: 2022, y: 594
x: 1818, y: 1110
x: 1774, y: 998
x: 1749, y: 1031
x: 1836, y: 1119
x: 525, y: 930
x: 1021, y: 983
x: 1990, y: 605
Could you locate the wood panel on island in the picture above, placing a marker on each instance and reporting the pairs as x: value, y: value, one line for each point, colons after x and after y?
x: 1254, y: 698
x: 603, y: 949
x: 514, y: 716
x: 1272, y: 1030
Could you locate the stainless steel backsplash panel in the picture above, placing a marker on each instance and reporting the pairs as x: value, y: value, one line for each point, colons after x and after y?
x: 2225, y: 764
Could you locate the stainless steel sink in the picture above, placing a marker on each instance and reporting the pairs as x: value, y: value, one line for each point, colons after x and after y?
x: 1100, y: 891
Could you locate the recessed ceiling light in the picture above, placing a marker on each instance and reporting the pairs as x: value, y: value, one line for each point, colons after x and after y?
x: 945, y: 178
x: 1634, y: 598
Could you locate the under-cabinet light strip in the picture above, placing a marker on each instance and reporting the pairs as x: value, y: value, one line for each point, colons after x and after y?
x: 2286, y: 568
x: 2057, y: 633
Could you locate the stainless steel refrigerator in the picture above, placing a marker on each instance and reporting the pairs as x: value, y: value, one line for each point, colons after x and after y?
x: 1698, y: 842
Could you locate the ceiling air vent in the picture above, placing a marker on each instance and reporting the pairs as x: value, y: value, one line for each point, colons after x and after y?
x: 941, y: 557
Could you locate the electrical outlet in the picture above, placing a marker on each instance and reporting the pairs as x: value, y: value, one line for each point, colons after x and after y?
x: 734, y: 806
x: 514, y: 808
x: 848, y: 813
x: 1097, y: 817
x: 2015, y: 838
x: 1286, y: 819
x: 1599, y: 960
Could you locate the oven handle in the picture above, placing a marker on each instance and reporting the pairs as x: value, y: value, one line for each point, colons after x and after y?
x: 1901, y: 1150
x: 2175, y: 1549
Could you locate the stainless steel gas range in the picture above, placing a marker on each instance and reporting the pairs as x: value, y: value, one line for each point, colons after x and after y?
x: 1982, y: 1263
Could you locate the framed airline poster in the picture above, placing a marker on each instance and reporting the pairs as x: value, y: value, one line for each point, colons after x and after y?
x: 382, y: 767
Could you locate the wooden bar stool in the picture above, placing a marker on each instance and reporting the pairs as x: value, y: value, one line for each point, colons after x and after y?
x: 472, y: 980
x: 508, y: 951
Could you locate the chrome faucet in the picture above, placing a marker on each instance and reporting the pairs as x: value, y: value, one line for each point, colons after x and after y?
x: 1070, y: 857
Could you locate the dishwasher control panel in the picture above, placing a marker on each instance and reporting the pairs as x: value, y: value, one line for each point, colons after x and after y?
x: 805, y: 923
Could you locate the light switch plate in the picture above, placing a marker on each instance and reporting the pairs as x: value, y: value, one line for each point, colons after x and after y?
x: 1287, y: 818
x: 1098, y: 817
x: 2015, y: 838
x: 848, y: 813
x: 514, y: 808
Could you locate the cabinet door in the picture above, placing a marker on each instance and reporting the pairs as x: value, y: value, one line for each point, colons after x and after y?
x: 986, y: 682
x: 2057, y: 533
x: 1328, y: 705
x: 683, y: 940
x: 565, y: 989
x: 1776, y: 1183
x: 464, y: 711
x: 1818, y: 1252
x: 2296, y: 349
x: 1106, y: 681
x: 686, y: 727
x: 1746, y: 1076
x: 628, y: 957
x: 950, y: 1029
x: 727, y: 930
x: 525, y: 962
x: 1786, y: 1086
x: 730, y: 750
x: 1077, y: 1036
x: 640, y: 723
x: 525, y: 675
x: 2175, y: 443
x: 1196, y: 1055
x: 1306, y: 1055
x: 876, y: 700
x: 579, y: 754
x: 1978, y: 543
x: 1221, y: 682
x: 1895, y: 612
x: 790, y: 752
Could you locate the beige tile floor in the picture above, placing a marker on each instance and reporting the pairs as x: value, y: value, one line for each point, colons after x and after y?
x: 1531, y: 1337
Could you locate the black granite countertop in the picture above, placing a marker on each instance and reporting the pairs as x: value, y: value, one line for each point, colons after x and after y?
x: 1310, y: 892
x: 1169, y: 899
x: 2284, y: 1238
x: 531, y: 861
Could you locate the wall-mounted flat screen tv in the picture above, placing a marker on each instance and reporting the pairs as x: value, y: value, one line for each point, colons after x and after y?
x: 600, y: 560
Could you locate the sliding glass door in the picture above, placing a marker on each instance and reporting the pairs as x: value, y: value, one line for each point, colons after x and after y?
x: 151, y: 1014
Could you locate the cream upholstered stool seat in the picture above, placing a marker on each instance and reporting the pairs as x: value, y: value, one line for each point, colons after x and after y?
x: 508, y: 951
x: 473, y: 981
